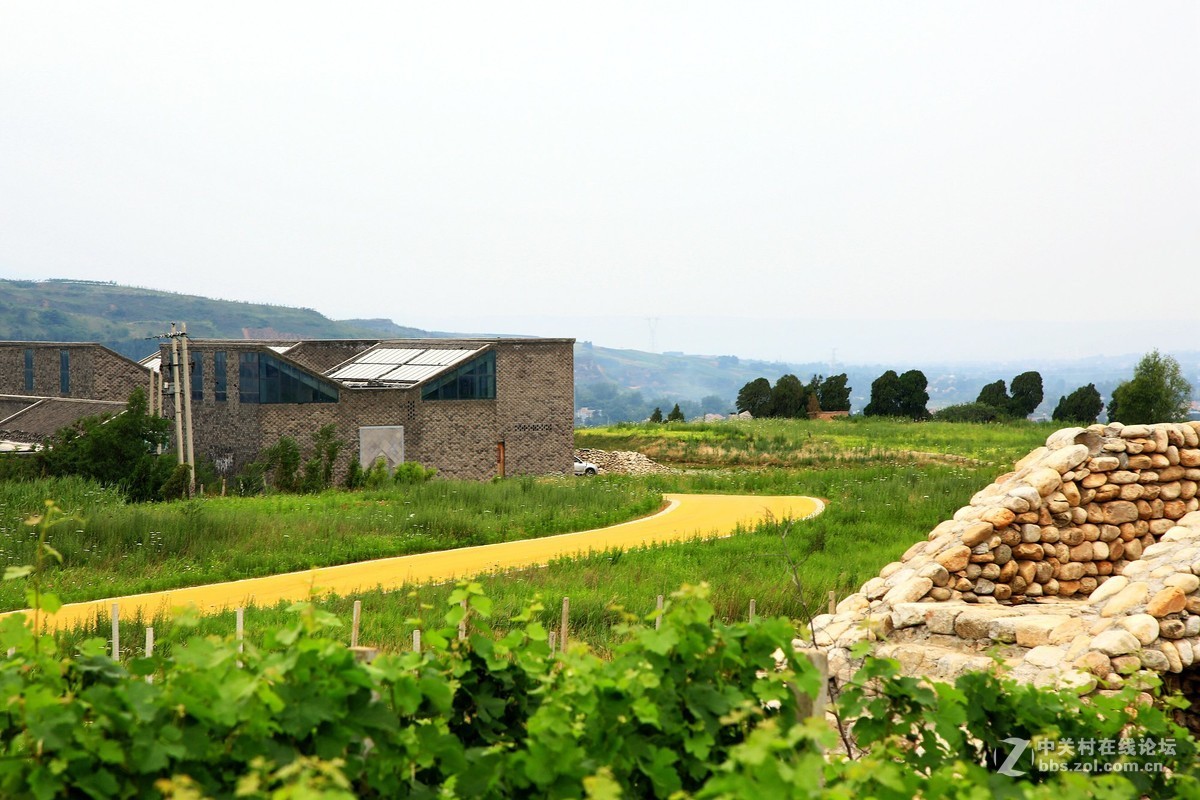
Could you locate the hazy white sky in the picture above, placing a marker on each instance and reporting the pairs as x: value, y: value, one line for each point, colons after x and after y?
x: 1009, y: 176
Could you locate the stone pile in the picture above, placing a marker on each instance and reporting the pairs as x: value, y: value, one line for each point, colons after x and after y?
x: 1072, y: 514
x: 622, y: 462
x: 1083, y: 562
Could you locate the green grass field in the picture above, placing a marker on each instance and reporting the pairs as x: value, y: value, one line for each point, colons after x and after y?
x: 806, y: 444
x: 114, y: 549
x: 887, y: 484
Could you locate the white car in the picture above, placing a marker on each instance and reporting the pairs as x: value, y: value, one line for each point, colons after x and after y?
x: 585, y: 467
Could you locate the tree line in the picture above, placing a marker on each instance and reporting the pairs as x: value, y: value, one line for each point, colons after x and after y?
x: 791, y: 399
x: 1157, y: 392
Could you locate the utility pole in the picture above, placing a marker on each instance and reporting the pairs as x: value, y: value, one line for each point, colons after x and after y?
x: 175, y: 390
x: 187, y: 411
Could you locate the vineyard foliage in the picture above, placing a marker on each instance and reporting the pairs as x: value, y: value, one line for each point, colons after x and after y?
x: 694, y: 708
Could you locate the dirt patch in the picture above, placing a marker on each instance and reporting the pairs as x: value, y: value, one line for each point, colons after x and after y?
x: 942, y: 458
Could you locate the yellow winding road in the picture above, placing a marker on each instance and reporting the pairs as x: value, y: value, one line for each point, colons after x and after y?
x: 686, y: 516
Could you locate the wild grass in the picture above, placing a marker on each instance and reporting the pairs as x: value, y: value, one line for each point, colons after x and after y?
x: 818, y: 443
x: 113, y: 548
x: 887, y: 483
x: 874, y: 514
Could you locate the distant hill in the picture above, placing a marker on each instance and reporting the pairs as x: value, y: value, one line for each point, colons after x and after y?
x: 123, y: 317
x: 618, y: 384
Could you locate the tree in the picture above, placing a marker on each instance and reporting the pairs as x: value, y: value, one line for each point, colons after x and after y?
x: 995, y: 395
x: 755, y: 397
x: 885, y: 396
x: 1082, y: 405
x: 1157, y: 393
x: 676, y: 415
x: 1027, y: 394
x: 914, y: 395
x: 116, y: 451
x: 788, y: 398
x: 834, y: 394
x: 656, y: 417
x: 814, y: 406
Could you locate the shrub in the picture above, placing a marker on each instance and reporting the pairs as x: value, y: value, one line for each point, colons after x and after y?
x: 112, y: 450
x: 694, y: 708
x: 971, y: 412
x: 411, y: 472
x: 176, y: 486
x: 282, y: 460
x: 356, y: 476
x: 379, y: 476
x: 252, y: 479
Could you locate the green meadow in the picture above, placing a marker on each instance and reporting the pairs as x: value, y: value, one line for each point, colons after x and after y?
x: 886, y: 484
x: 111, y: 548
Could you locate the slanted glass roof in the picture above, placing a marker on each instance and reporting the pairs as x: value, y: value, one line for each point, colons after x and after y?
x: 398, y: 367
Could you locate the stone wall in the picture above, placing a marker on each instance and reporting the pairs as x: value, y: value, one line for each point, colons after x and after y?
x: 1078, y: 568
x: 96, y: 373
x: 531, y: 414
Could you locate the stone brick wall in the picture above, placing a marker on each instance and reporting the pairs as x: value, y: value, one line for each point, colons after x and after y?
x: 227, y: 432
x: 114, y: 377
x: 1082, y: 566
x: 532, y: 413
x: 96, y: 373
x: 535, y: 399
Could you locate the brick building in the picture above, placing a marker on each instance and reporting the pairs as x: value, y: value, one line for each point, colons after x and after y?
x: 472, y: 408
x: 81, y: 370
x: 45, y: 386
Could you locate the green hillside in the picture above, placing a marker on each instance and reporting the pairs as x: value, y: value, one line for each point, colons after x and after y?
x: 122, y: 317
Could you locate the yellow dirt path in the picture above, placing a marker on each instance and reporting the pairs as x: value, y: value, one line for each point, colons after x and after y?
x: 686, y: 516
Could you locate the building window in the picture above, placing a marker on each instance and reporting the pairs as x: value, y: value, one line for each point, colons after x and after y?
x: 196, y: 379
x: 220, y: 377
x: 29, y: 369
x: 64, y: 372
x: 267, y: 380
x: 248, y: 377
x: 475, y: 380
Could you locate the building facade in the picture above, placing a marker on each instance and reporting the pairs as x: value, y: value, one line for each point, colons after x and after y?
x: 79, y: 370
x: 471, y: 408
x: 47, y: 386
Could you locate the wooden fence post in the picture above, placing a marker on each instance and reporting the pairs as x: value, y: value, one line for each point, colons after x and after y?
x: 116, y: 632
x: 566, y: 613
x: 417, y: 640
x: 149, y: 649
x: 752, y: 609
x: 658, y: 619
x: 354, y: 623
x: 364, y: 654
x: 239, y: 631
x: 815, y: 707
